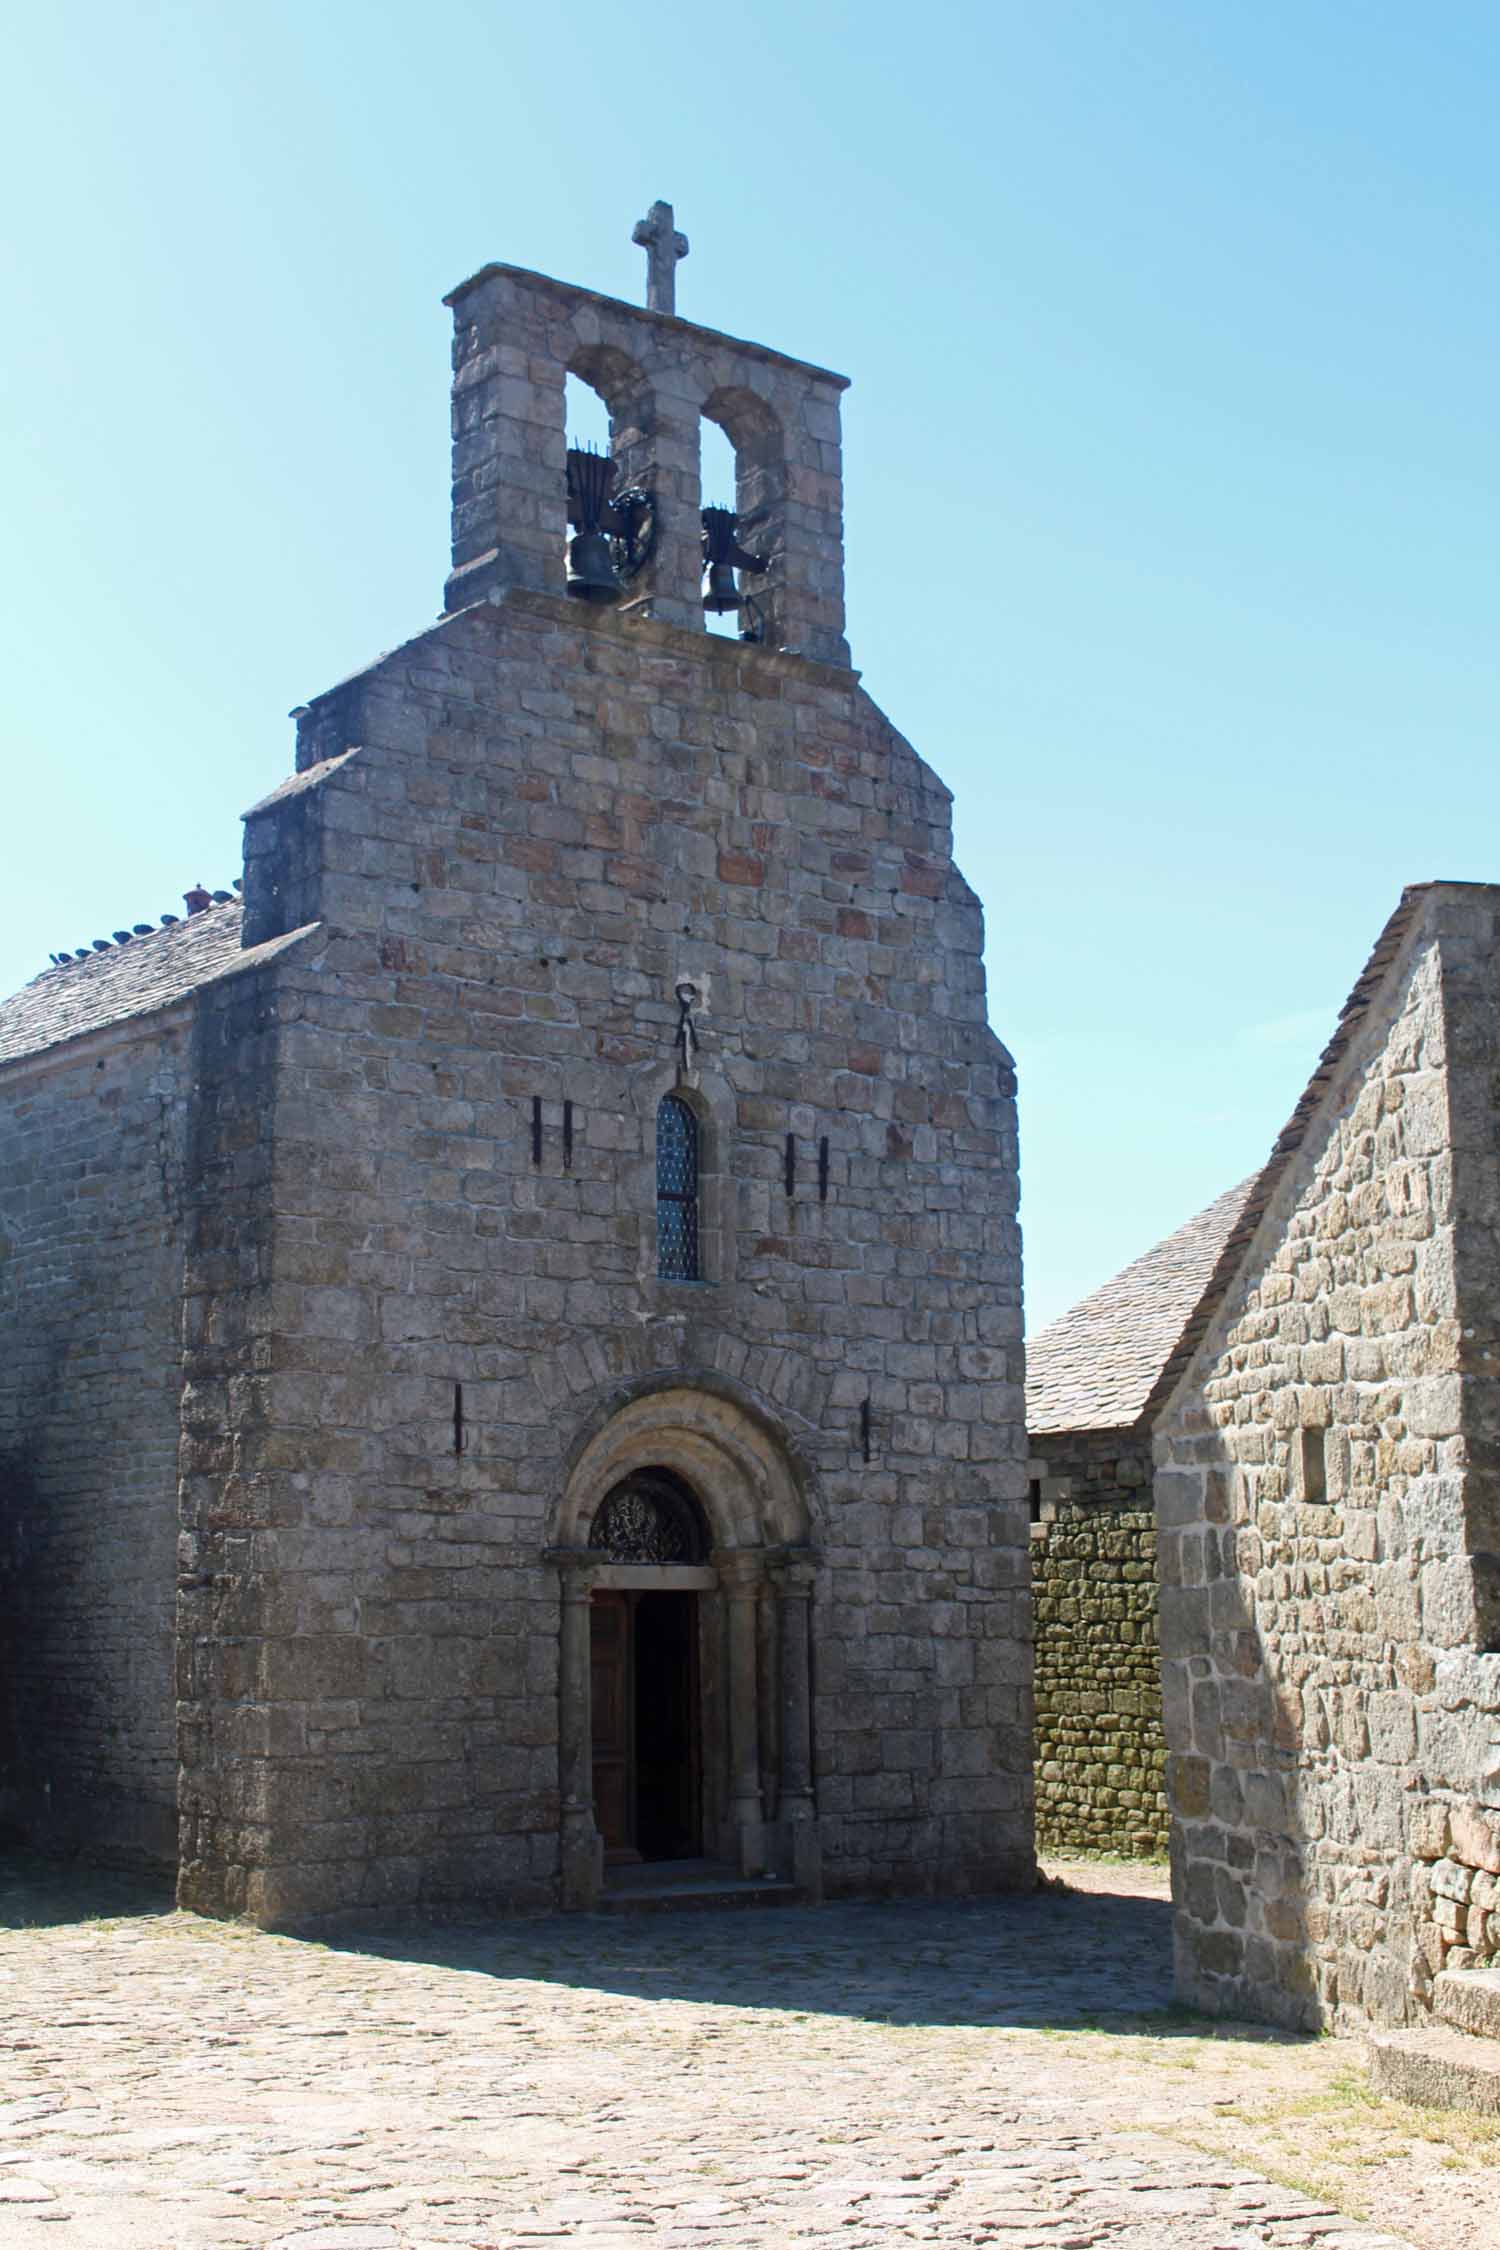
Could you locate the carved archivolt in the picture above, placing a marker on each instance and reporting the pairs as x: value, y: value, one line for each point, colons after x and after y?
x: 734, y: 1467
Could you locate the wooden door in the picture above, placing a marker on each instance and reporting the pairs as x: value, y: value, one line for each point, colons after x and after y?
x: 668, y: 1818
x: 612, y: 1674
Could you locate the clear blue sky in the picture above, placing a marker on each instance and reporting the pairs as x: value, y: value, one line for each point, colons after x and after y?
x: 1173, y: 470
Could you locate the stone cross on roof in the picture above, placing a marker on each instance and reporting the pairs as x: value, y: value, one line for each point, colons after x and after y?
x: 663, y: 246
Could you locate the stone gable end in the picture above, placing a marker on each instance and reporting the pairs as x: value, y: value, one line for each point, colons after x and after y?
x: 1324, y: 1672
x: 520, y: 836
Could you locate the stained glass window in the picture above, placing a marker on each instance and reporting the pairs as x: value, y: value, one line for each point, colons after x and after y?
x: 676, y: 1190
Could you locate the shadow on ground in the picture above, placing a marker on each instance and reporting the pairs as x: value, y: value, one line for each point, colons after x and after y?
x: 1054, y: 1959
x: 1049, y: 1960
x: 39, y: 1893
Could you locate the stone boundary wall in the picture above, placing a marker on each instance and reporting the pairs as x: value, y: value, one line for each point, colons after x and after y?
x: 1100, y: 1754
x: 1455, y: 1888
x: 91, y: 1179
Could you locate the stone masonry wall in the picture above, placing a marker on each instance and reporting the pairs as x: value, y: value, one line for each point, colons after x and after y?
x: 1455, y: 1830
x: 517, y: 335
x: 551, y: 818
x: 1099, y: 1749
x: 230, y: 1509
x: 1322, y: 1684
x: 1468, y: 921
x: 91, y: 1200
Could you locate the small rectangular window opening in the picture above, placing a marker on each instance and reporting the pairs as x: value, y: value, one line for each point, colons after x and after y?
x: 823, y: 1169
x: 1310, y: 1464
x: 458, y: 1418
x: 865, y: 1430
x: 1036, y: 1499
x: 567, y: 1136
x: 790, y: 1163
x: 536, y: 1128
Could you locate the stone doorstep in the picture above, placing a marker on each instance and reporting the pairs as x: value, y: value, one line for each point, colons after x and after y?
x: 662, y: 1884
x: 1469, y: 1999
x: 1437, y: 2067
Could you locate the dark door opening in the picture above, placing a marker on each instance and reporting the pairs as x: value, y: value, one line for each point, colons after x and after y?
x: 647, y: 1790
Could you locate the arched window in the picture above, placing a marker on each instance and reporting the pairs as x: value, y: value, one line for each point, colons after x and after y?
x: 676, y: 1190
x: 650, y: 1516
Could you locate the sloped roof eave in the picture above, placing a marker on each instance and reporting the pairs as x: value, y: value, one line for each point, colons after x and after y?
x: 131, y: 984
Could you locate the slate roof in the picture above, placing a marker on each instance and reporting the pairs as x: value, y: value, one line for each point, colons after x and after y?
x: 1083, y: 1371
x: 1353, y: 1016
x: 129, y: 980
x: 1095, y: 1368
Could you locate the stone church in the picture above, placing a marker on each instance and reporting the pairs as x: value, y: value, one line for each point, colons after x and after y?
x: 513, y: 1365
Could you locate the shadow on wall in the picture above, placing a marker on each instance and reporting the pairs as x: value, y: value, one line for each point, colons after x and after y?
x: 1328, y: 1858
x: 1247, y: 1922
x: 17, y: 1503
x: 1329, y: 1706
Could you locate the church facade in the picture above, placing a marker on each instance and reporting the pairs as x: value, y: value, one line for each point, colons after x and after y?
x: 516, y: 1363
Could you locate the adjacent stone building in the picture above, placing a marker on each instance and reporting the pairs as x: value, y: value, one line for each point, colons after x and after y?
x: 1328, y: 1499
x: 1093, y: 1387
x: 515, y: 1331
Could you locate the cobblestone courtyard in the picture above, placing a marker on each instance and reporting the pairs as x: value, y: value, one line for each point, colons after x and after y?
x: 999, y: 2072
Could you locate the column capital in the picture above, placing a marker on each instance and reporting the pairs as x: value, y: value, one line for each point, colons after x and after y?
x: 742, y: 1569
x: 574, y: 1565
x: 794, y: 1570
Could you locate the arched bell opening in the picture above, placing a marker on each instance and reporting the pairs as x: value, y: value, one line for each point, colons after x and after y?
x: 743, y: 484
x: 718, y: 481
x: 686, y: 1705
x: 611, y: 500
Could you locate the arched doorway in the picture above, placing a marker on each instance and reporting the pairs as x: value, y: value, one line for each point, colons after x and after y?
x: 685, y: 1691
x: 646, y: 1667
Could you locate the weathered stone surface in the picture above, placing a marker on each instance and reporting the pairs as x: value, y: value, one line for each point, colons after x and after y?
x: 1093, y: 1380
x: 1437, y: 2068
x: 517, y: 336
x: 1329, y: 1652
x: 842, y: 2078
x: 396, y: 1264
x: 1469, y: 1999
x: 1099, y: 1751
x: 92, y: 1158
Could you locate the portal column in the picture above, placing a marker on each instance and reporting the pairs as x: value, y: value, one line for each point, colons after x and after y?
x: 582, y: 1850
x: 794, y: 1584
x: 740, y: 1575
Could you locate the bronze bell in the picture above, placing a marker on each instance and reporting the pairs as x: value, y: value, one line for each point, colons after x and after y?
x: 591, y: 574
x: 721, y: 552
x: 720, y: 593
x: 591, y: 568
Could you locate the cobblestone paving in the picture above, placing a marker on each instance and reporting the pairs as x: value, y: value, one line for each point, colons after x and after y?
x: 860, y: 2076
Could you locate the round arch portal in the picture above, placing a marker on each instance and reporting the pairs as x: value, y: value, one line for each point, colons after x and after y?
x: 739, y: 1473
x: 748, y: 1600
